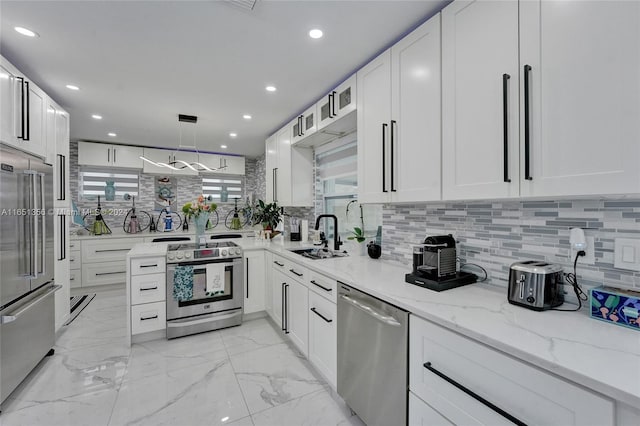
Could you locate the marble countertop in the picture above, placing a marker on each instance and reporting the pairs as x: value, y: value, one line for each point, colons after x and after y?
x: 148, y: 250
x: 119, y: 233
x: 600, y: 356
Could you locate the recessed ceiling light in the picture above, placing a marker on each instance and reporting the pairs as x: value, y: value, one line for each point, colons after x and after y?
x: 315, y: 33
x: 246, y: 117
x: 233, y: 135
x: 113, y: 135
x: 223, y: 146
x: 26, y: 32
x: 97, y: 117
x: 72, y: 87
x: 270, y: 88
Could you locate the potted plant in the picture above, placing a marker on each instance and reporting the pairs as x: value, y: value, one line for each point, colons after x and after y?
x: 358, y: 235
x: 268, y: 214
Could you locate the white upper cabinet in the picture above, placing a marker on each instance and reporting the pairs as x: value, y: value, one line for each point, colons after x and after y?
x: 226, y: 164
x: 57, y: 142
x: 305, y: 125
x: 271, y: 162
x: 337, y: 104
x: 399, y: 120
x: 105, y: 155
x: 282, y: 176
x: 480, y: 83
x: 8, y: 110
x: 582, y: 132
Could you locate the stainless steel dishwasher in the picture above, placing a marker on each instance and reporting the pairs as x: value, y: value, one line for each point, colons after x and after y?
x: 372, y: 357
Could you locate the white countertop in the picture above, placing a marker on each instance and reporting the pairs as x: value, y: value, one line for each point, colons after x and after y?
x: 603, y: 357
x: 119, y: 233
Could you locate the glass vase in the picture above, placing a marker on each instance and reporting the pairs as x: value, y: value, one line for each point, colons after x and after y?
x: 110, y: 191
x: 200, y: 222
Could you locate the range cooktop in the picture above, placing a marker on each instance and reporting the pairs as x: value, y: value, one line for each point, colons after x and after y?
x: 195, y: 252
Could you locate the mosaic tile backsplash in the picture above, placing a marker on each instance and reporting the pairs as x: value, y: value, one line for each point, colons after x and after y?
x: 495, y: 234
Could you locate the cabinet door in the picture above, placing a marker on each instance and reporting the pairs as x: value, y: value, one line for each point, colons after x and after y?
x: 297, y: 311
x: 309, y: 121
x: 283, y: 170
x: 62, y: 191
x: 422, y: 414
x: 344, y: 98
x: 480, y: 64
x: 268, y: 287
x: 94, y: 154
x: 156, y: 155
x: 62, y: 268
x: 232, y: 165
x: 35, y: 121
x: 583, y: 98
x: 254, y: 281
x: 374, y: 113
x: 7, y: 104
x: 279, y: 280
x: 323, y: 337
x: 415, y: 126
x: 50, y: 134
x: 127, y: 156
x: 187, y: 157
x: 325, y: 114
x: 271, y: 163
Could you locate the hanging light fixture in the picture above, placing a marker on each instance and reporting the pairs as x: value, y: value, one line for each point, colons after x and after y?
x: 176, y: 164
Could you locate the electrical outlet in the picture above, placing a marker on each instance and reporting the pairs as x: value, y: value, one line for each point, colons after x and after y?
x: 590, y: 257
x: 627, y: 253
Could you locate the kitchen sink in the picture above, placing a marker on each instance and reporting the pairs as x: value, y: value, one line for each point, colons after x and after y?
x: 319, y: 253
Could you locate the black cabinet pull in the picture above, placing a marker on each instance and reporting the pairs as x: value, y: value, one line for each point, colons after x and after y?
x: 278, y: 263
x: 149, y: 266
x: 148, y: 288
x: 384, y: 172
x: 109, y: 156
x: 527, y: 130
x: 282, y: 317
x: 247, y: 295
x: 21, y: 136
x: 330, y: 96
x: 320, y: 315
x: 293, y: 271
x: 109, y: 273
x: 107, y: 250
x: 393, y: 124
x: 286, y: 310
x: 114, y: 156
x: 333, y: 103
x: 64, y: 178
x: 505, y: 122
x: 148, y: 318
x: 27, y: 126
x: 275, y: 184
x: 473, y: 395
x: 321, y: 286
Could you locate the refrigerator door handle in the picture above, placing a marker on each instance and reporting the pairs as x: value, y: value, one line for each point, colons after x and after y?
x: 33, y: 222
x: 41, y: 216
x: 16, y: 315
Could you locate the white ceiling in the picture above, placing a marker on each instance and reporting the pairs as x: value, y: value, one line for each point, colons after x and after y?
x: 141, y: 63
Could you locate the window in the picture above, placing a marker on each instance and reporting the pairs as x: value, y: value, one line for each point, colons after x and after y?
x: 93, y: 182
x: 217, y: 186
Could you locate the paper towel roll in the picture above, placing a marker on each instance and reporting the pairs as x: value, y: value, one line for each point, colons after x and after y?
x: 304, y: 230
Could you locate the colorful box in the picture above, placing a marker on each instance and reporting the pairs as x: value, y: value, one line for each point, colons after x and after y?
x: 616, y: 305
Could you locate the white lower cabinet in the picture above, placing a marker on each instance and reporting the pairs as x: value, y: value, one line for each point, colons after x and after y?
x: 268, y: 287
x: 148, y: 317
x: 254, y: 282
x: 422, y: 414
x: 297, y: 314
x: 446, y: 370
x: 323, y: 337
x: 96, y: 262
x: 104, y: 273
x: 147, y: 288
x: 278, y: 281
x: 146, y: 294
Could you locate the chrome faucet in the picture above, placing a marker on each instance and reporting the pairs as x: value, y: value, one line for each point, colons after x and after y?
x: 336, y: 237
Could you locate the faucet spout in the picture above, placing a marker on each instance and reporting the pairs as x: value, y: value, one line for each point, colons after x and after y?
x: 336, y: 236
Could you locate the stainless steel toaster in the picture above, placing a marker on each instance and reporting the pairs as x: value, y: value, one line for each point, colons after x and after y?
x: 536, y: 285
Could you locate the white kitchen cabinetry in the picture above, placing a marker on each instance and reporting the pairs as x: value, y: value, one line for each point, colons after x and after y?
x: 582, y: 133
x: 103, y: 260
x: 480, y: 81
x: 399, y: 120
x: 268, y: 286
x: 279, y: 280
x: 289, y: 171
x: 106, y: 155
x: 305, y: 125
x: 57, y: 141
x: 228, y: 164
x: 297, y: 314
x: 340, y: 102
x: 146, y: 295
x: 8, y: 99
x: 62, y: 267
x: 439, y: 357
x: 75, y: 264
x: 254, y: 281
x: 422, y: 414
x: 323, y: 337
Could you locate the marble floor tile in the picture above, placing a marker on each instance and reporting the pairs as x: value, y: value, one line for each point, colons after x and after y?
x: 251, y: 335
x: 245, y: 421
x: 314, y: 409
x: 272, y: 376
x: 203, y: 394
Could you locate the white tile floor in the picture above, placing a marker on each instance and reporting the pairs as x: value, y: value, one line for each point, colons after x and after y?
x: 245, y: 375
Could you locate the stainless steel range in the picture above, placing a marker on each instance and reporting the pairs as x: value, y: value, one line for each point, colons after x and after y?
x: 204, y: 287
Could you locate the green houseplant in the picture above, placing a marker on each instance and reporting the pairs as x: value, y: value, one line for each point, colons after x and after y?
x: 268, y: 214
x: 358, y: 235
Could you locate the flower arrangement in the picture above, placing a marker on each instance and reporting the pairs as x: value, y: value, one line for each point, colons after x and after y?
x: 200, y: 206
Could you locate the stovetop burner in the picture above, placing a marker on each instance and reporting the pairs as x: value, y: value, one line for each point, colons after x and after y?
x: 194, y: 246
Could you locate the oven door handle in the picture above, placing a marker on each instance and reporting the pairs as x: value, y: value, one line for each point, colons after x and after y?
x: 188, y: 321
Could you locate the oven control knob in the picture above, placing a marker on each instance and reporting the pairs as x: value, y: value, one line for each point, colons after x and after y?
x: 238, y: 251
x: 224, y: 252
x: 179, y: 255
x: 171, y: 256
x: 531, y: 299
x: 187, y: 255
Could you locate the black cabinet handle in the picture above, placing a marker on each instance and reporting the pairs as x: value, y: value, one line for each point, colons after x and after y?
x: 247, y: 295
x: 275, y: 185
x: 114, y: 155
x: 107, y: 250
x: 527, y: 124
x: 27, y: 130
x: 384, y: 172
x: 320, y: 315
x: 333, y: 103
x: 321, y: 286
x: 474, y: 395
x: 282, y: 317
x: 505, y: 122
x: 300, y: 129
x: 148, y: 318
x: 286, y: 310
x: 393, y: 124
x: 278, y: 263
x: 148, y: 288
x: 109, y: 156
x: 293, y: 271
x: 109, y: 273
x: 64, y: 178
x: 149, y: 266
x: 21, y: 136
x: 330, y: 97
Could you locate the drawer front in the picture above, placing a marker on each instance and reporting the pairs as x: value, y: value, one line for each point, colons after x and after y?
x: 324, y: 286
x: 297, y: 272
x: 455, y: 364
x: 74, y: 245
x: 323, y: 337
x: 148, y: 288
x: 148, y: 317
x: 75, y: 278
x: 103, y: 273
x: 75, y: 259
x: 279, y: 263
x: 421, y: 414
x: 148, y: 265
x: 96, y: 251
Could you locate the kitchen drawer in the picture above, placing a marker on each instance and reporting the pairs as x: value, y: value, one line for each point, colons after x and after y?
x: 75, y: 278
x: 103, y: 273
x: 148, y: 288
x: 148, y: 317
x: 323, y: 337
x: 97, y: 251
x: 74, y: 245
x: 422, y: 414
x: 297, y: 272
x: 75, y: 259
x: 280, y: 263
x: 438, y: 357
x: 148, y: 265
x: 322, y: 285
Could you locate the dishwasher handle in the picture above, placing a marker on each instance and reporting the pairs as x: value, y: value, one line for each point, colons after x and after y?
x: 389, y: 320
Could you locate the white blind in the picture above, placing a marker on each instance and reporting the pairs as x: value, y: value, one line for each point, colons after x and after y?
x: 215, y: 185
x: 94, y: 181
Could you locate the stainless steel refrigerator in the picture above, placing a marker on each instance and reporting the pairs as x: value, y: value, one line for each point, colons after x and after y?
x: 27, y: 322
